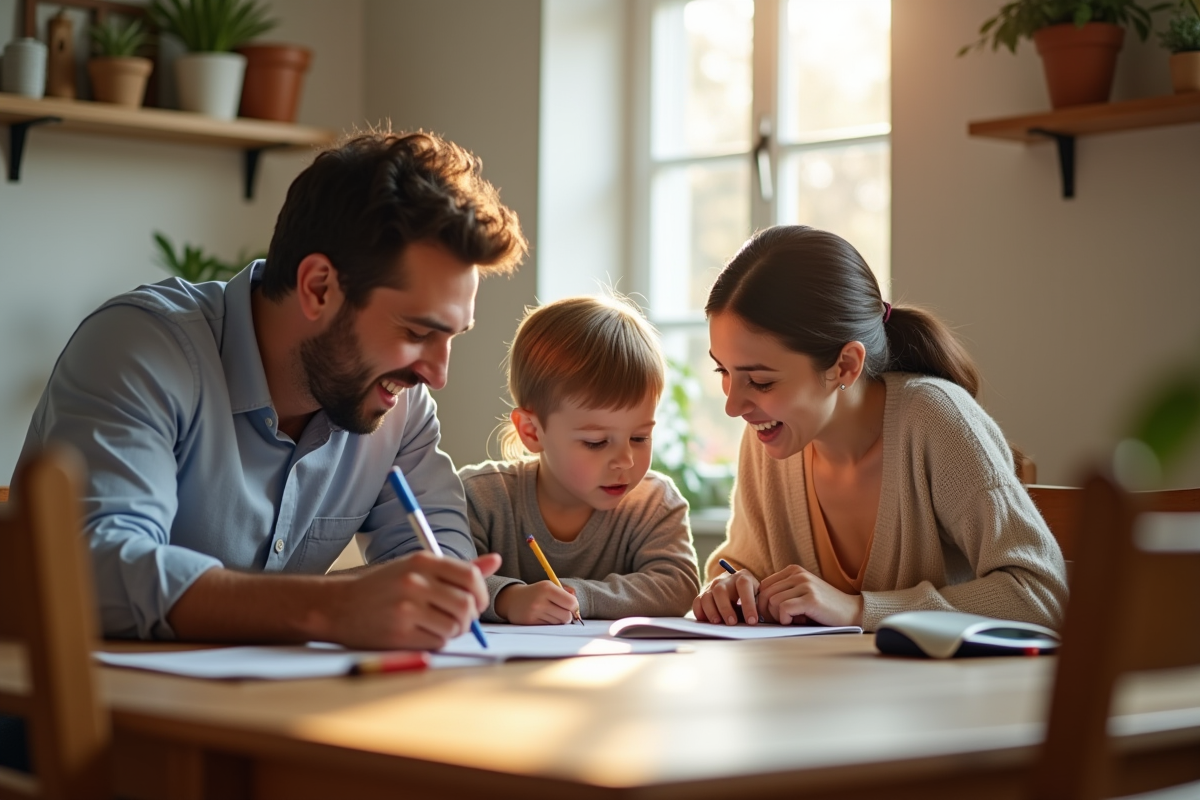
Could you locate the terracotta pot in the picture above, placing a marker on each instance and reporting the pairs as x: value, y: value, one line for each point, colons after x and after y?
x: 120, y: 79
x: 1079, y: 62
x: 1185, y: 72
x: 274, y: 78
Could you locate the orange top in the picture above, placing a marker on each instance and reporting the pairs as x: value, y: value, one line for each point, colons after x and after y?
x: 832, y: 570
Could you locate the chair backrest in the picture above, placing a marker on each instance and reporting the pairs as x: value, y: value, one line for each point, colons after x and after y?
x: 3, y: 494
x: 1062, y: 508
x: 1133, y: 608
x: 48, y: 608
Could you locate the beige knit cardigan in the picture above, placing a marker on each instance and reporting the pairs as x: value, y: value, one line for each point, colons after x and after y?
x: 955, y: 529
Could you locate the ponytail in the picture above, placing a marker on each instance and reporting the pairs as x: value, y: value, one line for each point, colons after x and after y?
x: 920, y: 342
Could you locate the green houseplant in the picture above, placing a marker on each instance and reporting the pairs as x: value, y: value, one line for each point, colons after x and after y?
x: 1078, y: 41
x: 194, y: 265
x: 119, y: 75
x: 676, y: 448
x: 1182, y: 39
x: 209, y: 77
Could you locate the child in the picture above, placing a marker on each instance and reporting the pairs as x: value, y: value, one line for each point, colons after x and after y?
x: 869, y: 480
x: 585, y: 375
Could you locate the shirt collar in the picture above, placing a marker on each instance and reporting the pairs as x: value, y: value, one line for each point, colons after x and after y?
x: 240, y: 356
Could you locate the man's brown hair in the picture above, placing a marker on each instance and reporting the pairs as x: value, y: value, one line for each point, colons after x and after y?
x: 363, y: 200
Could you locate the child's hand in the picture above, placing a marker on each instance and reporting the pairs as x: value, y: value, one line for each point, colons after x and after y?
x: 716, y: 603
x: 540, y: 603
x: 794, y: 595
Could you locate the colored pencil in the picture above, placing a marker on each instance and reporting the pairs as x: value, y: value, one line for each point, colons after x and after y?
x: 541, y: 557
x: 400, y: 661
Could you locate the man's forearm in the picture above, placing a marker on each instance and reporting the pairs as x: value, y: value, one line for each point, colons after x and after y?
x: 228, y: 606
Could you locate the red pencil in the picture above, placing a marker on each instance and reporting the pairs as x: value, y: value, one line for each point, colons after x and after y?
x: 399, y: 661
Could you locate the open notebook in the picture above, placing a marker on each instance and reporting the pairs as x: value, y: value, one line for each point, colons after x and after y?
x: 663, y: 628
x: 679, y: 628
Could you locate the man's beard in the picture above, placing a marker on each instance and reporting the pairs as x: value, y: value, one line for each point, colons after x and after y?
x: 338, y: 378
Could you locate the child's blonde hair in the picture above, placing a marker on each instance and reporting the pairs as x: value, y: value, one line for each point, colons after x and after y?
x: 598, y: 351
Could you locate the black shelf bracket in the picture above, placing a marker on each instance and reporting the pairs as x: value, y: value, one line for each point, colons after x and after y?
x: 16, y: 144
x: 250, y: 164
x: 1066, y: 158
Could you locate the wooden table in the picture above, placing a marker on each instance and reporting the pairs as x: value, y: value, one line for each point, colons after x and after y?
x: 820, y: 717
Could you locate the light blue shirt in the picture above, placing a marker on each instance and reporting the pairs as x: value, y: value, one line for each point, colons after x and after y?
x: 163, y: 391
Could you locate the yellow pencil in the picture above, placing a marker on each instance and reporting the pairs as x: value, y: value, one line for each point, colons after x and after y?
x: 541, y: 557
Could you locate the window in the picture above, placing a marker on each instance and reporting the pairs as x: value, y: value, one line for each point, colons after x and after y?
x: 754, y: 113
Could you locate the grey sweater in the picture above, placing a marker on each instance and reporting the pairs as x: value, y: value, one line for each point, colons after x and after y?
x: 634, y: 560
x: 955, y: 530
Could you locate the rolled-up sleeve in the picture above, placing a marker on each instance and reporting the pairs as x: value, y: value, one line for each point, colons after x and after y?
x: 438, y: 490
x: 124, y: 393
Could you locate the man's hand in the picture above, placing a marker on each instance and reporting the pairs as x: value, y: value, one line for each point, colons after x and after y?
x: 795, y: 596
x: 540, y: 603
x: 716, y: 603
x: 417, y: 602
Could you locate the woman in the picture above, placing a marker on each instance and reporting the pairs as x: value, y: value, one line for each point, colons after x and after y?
x: 869, y: 480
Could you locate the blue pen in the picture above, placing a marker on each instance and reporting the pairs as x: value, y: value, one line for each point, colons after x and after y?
x: 416, y: 518
x: 729, y: 568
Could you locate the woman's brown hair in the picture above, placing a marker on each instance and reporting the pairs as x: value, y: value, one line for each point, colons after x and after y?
x: 814, y: 292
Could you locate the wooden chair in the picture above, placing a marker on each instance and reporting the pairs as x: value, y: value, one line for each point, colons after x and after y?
x: 47, y: 607
x: 1133, y: 608
x: 3, y: 494
x: 1062, y: 508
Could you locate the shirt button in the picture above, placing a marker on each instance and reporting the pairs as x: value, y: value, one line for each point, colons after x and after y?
x: 279, y: 545
x: 270, y: 422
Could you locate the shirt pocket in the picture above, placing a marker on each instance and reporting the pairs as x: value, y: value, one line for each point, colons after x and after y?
x: 327, y: 537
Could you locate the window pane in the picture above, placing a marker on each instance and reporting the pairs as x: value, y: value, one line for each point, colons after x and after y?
x: 846, y: 190
x: 835, y: 80
x: 715, y: 436
x: 700, y: 82
x: 699, y: 217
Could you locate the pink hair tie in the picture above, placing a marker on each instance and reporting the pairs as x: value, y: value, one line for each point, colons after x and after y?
x: 887, y: 311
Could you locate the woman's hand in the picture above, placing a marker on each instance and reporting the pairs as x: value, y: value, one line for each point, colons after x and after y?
x: 795, y: 596
x: 716, y: 603
x: 540, y: 603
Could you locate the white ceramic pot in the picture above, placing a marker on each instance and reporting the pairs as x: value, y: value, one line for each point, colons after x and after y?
x: 1185, y: 72
x: 210, y: 83
x: 24, y: 70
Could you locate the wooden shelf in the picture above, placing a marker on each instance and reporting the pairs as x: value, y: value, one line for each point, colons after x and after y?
x: 251, y: 136
x: 1064, y: 125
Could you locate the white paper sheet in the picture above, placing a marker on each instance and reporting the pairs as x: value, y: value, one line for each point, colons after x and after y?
x: 591, y: 628
x: 524, y: 644
x: 319, y: 660
x: 679, y: 628
x: 265, y: 663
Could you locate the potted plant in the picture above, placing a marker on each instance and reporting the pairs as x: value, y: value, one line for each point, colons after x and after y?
x: 194, y: 265
x: 1182, y: 38
x: 1078, y: 41
x: 274, y: 78
x: 118, y: 74
x: 209, y: 77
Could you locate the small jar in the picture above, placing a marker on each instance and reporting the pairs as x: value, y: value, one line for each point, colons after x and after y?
x: 24, y: 70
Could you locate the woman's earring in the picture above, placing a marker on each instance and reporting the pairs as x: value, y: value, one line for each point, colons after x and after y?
x: 842, y: 387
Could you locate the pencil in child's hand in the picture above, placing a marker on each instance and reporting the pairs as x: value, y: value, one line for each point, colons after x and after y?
x: 541, y: 557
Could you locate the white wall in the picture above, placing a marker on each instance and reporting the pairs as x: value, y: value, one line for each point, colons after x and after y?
x: 76, y: 229
x: 584, y: 127
x: 1072, y: 308
x: 468, y: 70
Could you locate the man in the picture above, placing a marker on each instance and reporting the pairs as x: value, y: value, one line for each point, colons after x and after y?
x: 238, y: 435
